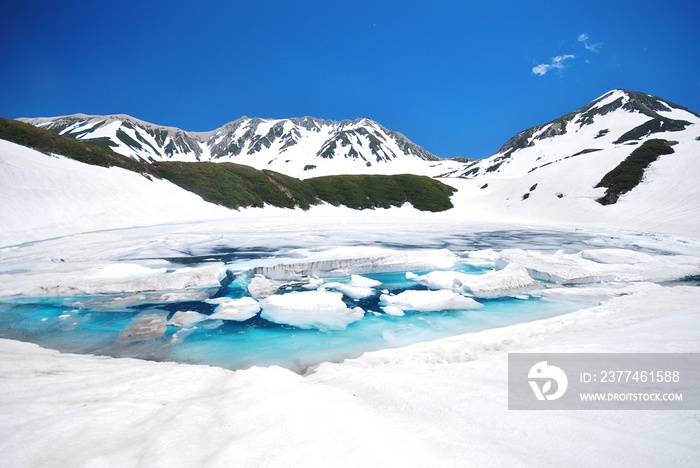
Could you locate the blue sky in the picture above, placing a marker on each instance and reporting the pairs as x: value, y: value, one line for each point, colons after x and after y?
x: 457, y: 77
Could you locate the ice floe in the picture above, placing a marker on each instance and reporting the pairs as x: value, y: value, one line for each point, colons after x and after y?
x: 393, y: 310
x: 186, y: 319
x: 260, y: 286
x: 145, y: 326
x: 357, y: 288
x: 238, y: 310
x: 428, y: 301
x: 324, y: 310
x: 510, y: 279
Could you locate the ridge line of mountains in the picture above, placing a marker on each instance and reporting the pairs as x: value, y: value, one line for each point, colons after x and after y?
x: 239, y: 186
x: 303, y: 147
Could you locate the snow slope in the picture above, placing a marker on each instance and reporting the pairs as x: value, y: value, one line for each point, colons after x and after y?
x: 46, y: 196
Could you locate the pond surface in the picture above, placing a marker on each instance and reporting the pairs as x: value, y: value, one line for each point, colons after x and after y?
x: 83, y: 324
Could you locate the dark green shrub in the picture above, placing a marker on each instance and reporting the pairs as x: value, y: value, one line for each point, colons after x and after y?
x: 629, y: 173
x: 382, y: 191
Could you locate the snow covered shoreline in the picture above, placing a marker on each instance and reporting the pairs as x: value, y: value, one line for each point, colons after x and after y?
x: 442, y: 403
x: 436, y: 403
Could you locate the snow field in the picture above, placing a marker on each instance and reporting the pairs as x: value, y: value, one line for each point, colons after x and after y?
x: 436, y: 403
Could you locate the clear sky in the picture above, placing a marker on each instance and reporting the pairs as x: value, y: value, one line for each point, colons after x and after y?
x: 456, y: 77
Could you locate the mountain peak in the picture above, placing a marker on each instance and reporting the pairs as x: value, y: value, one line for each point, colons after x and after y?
x: 665, y: 116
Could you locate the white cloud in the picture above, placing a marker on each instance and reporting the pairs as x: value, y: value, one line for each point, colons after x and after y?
x: 541, y: 69
x: 557, y: 63
x: 583, y: 38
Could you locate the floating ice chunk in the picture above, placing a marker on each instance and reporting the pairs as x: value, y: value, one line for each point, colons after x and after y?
x: 260, y: 286
x: 145, y: 326
x: 217, y: 300
x: 238, y: 310
x: 393, y: 310
x: 357, y: 288
x: 355, y: 292
x: 429, y: 301
x: 314, y: 283
x: 211, y: 324
x: 324, y: 310
x: 344, y: 261
x: 357, y: 280
x: 181, y: 334
x: 185, y: 319
x: 493, y: 283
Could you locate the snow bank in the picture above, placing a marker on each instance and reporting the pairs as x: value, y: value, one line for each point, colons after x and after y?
x: 430, y: 404
x: 324, y: 310
x: 344, y: 261
x: 510, y: 279
x: 429, y: 301
x: 66, y: 278
x: 591, y: 266
x: 46, y: 196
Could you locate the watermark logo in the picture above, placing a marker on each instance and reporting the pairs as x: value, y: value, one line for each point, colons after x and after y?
x: 544, y: 374
x: 603, y: 381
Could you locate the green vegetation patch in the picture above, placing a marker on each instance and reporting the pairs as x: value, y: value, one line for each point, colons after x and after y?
x: 629, y: 173
x: 228, y: 184
x: 300, y: 192
x: 655, y: 125
x: 382, y: 191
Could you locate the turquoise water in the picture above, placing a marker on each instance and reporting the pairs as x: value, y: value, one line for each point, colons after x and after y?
x: 82, y: 325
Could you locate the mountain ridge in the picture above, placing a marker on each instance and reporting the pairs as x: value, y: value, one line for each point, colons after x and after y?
x: 238, y: 186
x: 297, y: 146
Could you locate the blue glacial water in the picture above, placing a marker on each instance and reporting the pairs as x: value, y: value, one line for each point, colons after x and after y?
x: 84, y: 325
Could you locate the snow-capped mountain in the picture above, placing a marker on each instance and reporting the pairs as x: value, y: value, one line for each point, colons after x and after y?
x: 556, y: 171
x: 615, y: 121
x: 301, y: 147
x: 550, y: 174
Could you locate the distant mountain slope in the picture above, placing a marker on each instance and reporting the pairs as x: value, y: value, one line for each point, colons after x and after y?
x: 625, y: 158
x: 617, y: 118
x: 301, y: 147
x: 240, y: 186
x: 44, y: 196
